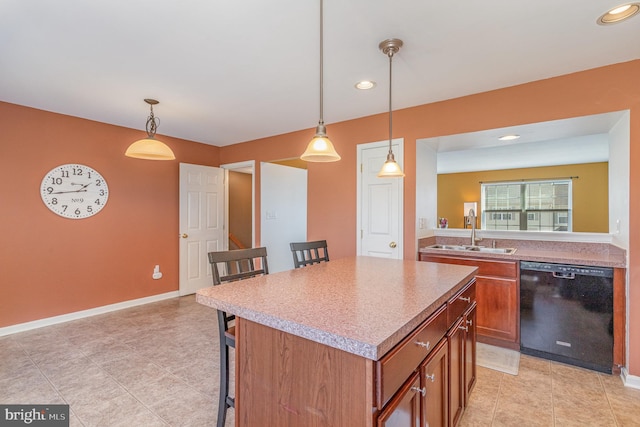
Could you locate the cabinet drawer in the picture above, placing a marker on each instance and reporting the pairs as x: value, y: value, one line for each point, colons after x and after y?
x: 507, y: 269
x: 397, y: 365
x: 460, y: 302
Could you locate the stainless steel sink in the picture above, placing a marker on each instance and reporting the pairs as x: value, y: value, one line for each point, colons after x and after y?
x: 449, y: 247
x: 466, y: 248
x: 507, y: 251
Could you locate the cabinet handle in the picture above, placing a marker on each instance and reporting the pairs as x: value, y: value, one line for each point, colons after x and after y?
x: 422, y: 391
x: 469, y: 322
x: 426, y: 345
x: 466, y: 328
x: 466, y: 299
x: 431, y: 377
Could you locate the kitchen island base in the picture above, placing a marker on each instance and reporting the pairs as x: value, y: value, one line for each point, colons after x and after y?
x: 288, y: 381
x: 358, y: 341
x: 285, y: 380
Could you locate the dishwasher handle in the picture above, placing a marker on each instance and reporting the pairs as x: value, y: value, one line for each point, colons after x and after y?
x: 570, y: 276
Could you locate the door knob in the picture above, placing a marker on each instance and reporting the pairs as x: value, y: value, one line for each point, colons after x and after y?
x: 422, y: 391
x: 184, y: 235
x: 392, y: 245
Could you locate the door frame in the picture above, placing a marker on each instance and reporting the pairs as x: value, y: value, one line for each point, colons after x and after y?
x: 248, y: 166
x: 398, y: 151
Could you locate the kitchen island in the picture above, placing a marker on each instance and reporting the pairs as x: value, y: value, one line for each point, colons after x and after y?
x: 310, y: 341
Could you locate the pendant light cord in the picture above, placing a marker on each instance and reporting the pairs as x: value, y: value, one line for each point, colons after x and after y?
x: 321, y: 63
x: 390, y: 107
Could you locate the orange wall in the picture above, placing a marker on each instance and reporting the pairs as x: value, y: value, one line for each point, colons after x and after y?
x: 590, y: 192
x: 53, y: 265
x: 332, y: 186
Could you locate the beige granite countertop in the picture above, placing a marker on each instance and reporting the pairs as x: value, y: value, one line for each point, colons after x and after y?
x: 590, y: 254
x: 362, y: 305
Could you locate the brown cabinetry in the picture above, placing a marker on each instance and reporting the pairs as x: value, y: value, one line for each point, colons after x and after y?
x: 470, y: 351
x: 434, y: 377
x: 497, y: 293
x: 404, y: 408
x: 287, y: 380
x: 419, y: 372
x: 461, y: 340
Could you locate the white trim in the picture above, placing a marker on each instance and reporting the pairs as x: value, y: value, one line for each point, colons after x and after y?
x: 631, y: 381
x: 22, y: 327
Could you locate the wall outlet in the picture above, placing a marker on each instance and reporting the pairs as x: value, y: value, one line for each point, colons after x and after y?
x: 156, y: 273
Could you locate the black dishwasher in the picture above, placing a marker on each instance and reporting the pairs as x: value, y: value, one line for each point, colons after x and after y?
x: 566, y: 314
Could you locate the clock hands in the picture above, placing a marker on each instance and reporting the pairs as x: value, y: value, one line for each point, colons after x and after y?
x: 83, y: 188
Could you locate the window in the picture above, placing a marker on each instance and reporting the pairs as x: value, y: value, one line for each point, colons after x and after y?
x: 531, y: 205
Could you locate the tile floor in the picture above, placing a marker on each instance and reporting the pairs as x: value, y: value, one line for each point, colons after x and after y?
x: 156, y: 365
x: 546, y: 393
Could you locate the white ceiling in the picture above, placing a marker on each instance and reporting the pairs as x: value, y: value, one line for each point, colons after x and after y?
x: 559, y: 142
x: 231, y: 71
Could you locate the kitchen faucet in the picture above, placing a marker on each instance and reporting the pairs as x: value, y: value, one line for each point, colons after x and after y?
x: 472, y: 218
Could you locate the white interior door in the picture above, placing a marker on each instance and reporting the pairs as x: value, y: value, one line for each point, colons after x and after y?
x: 283, y: 212
x: 380, y: 202
x: 202, y: 223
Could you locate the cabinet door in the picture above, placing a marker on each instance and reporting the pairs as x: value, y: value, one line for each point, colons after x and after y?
x: 404, y: 409
x: 497, y: 308
x: 434, y: 376
x: 456, y: 343
x: 469, y: 352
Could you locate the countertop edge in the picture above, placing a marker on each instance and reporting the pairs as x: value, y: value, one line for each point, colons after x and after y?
x: 532, y: 255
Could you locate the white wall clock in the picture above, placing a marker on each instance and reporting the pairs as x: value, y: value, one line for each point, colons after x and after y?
x: 74, y: 191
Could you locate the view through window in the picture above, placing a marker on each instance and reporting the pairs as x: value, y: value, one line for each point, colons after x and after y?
x: 529, y: 205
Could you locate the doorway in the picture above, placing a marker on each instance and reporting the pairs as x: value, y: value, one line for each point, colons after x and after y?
x: 240, y: 204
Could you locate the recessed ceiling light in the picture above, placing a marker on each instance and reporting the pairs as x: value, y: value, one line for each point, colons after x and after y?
x: 509, y: 137
x: 619, y: 14
x: 365, y: 85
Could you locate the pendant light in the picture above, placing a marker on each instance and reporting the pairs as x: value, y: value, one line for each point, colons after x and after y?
x: 320, y: 149
x: 150, y: 148
x: 390, y: 168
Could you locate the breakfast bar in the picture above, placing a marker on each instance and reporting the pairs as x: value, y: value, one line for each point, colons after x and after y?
x: 328, y: 344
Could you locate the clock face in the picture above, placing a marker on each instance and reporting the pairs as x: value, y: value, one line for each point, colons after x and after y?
x: 74, y: 191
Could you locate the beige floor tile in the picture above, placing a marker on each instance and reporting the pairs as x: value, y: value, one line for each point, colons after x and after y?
x: 624, y: 401
x: 158, y: 365
x: 122, y: 410
x: 133, y: 371
x: 483, y: 399
x: 582, y: 407
x: 29, y: 389
x: 15, y: 365
x: 60, y: 369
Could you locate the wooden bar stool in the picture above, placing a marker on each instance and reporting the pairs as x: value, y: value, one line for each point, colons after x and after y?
x: 231, y: 266
x: 307, y: 253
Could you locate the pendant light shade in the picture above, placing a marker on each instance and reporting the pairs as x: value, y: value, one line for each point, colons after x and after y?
x: 390, y: 168
x: 150, y: 148
x: 320, y: 149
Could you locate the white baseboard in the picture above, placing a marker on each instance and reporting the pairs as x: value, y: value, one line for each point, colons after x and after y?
x: 21, y: 327
x: 630, y: 380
